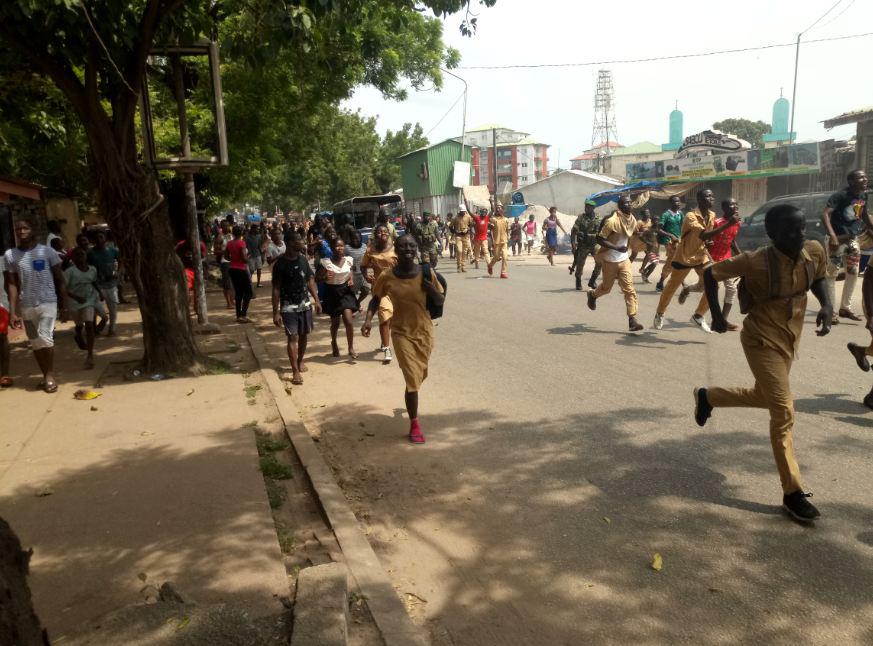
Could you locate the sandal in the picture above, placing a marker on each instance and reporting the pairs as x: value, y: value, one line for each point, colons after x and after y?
x: 5, y: 382
x: 297, y: 381
x: 50, y: 387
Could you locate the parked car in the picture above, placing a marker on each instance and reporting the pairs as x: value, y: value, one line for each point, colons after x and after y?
x: 752, y: 235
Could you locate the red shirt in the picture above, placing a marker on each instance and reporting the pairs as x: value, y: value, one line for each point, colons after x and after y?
x: 235, y: 252
x: 481, y: 223
x: 721, y: 242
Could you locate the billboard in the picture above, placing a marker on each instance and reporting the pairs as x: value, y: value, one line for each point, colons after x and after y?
x: 785, y: 160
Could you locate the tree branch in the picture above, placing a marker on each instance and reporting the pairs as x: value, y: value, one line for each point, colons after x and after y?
x: 54, y: 67
x: 154, y: 13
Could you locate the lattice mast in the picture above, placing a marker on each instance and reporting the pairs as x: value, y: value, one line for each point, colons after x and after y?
x: 604, y: 129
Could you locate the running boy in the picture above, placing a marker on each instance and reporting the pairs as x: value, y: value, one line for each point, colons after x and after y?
x: 776, y: 279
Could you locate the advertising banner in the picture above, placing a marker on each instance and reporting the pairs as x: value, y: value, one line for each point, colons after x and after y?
x: 785, y: 160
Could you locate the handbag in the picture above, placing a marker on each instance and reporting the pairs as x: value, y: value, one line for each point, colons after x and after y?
x: 435, y: 311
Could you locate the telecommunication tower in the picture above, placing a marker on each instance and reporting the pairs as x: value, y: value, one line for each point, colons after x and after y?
x: 604, y: 111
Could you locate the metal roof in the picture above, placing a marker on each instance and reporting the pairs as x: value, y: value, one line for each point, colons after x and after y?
x: 864, y: 114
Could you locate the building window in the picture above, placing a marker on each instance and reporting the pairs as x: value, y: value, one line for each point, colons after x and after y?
x: 504, y: 154
x: 524, y: 164
x: 523, y: 178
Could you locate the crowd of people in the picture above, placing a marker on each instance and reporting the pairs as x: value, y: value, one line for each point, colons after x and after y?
x: 323, y: 266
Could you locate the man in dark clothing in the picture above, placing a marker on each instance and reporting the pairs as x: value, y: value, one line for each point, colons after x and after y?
x: 294, y: 298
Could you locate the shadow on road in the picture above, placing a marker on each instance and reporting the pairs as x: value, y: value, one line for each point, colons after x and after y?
x: 491, y: 523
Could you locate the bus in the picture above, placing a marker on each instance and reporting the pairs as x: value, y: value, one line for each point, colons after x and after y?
x: 364, y: 210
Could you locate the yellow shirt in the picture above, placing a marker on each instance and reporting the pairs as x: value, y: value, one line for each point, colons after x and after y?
x: 775, y: 322
x: 411, y: 318
x: 462, y: 223
x: 378, y: 261
x: 691, y: 250
x: 500, y: 230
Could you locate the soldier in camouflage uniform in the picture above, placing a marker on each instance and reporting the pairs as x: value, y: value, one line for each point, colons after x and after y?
x: 426, y: 234
x: 583, y: 237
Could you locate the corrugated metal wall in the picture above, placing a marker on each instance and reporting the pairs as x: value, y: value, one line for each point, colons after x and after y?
x: 410, y: 169
x: 441, y: 160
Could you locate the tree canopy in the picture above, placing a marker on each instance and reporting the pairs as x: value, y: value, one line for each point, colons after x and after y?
x: 751, y: 131
x: 95, y: 54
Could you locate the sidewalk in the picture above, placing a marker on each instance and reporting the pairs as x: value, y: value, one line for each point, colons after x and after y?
x: 153, y: 481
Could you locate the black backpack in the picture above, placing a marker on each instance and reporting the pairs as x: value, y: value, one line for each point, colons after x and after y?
x: 435, y: 311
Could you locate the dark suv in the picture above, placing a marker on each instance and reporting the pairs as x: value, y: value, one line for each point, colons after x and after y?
x: 752, y: 235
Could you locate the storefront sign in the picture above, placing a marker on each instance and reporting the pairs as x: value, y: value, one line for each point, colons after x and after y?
x: 711, y: 141
x: 785, y: 160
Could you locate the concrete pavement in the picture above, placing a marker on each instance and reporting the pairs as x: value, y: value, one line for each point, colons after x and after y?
x: 562, y: 455
x: 151, y: 482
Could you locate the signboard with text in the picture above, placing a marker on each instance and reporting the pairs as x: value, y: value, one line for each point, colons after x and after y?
x: 785, y: 160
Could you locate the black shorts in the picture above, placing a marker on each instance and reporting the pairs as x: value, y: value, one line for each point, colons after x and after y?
x: 297, y: 323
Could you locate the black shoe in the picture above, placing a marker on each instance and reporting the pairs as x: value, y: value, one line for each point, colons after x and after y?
x: 578, y: 283
x: 797, y: 505
x: 101, y: 325
x: 702, y: 408
x: 592, y: 302
x: 592, y: 284
x: 659, y: 287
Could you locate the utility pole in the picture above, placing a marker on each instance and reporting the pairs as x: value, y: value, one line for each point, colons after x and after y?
x: 192, y: 226
x: 494, y: 144
x: 794, y: 91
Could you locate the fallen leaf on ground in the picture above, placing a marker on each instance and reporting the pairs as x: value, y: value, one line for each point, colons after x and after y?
x: 606, y: 520
x: 189, y: 393
x: 657, y: 562
x: 183, y: 623
x: 142, y: 576
x: 44, y: 491
x: 93, y: 408
x: 86, y: 395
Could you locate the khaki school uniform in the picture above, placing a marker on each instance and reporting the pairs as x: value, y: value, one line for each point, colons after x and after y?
x: 637, y: 244
x: 500, y: 240
x: 411, y: 327
x: 617, y: 230
x: 771, y: 338
x: 379, y: 261
x: 462, y: 224
x: 691, y: 252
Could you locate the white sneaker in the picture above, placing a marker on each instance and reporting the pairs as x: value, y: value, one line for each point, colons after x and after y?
x: 387, y: 357
x: 702, y: 324
x: 658, y: 323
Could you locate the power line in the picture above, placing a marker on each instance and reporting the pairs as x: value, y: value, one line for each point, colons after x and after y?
x: 834, y: 6
x: 845, y: 9
x: 445, y: 115
x: 663, y: 58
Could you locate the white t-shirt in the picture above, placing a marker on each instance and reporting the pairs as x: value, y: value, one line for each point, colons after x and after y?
x: 274, y: 251
x: 356, y: 256
x: 4, y: 299
x: 339, y: 274
x: 617, y: 256
x: 33, y: 267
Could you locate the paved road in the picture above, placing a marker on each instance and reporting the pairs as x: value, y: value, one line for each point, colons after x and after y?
x: 562, y: 454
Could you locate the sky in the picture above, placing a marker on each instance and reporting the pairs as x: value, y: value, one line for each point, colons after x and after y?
x: 556, y: 105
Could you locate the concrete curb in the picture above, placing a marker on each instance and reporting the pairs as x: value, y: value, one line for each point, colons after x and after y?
x: 385, y: 606
x: 321, y: 607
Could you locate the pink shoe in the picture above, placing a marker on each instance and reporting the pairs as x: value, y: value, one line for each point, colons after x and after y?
x: 415, y: 434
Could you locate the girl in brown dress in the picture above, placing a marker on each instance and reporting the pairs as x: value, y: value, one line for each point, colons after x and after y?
x: 411, y: 326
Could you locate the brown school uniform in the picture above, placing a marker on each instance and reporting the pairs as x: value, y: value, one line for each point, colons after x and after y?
x: 691, y: 252
x: 770, y: 338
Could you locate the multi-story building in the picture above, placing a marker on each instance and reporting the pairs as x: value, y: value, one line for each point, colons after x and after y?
x: 521, y: 160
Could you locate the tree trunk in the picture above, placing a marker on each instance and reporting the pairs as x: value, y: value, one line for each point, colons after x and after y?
x: 137, y: 214
x: 19, y: 624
